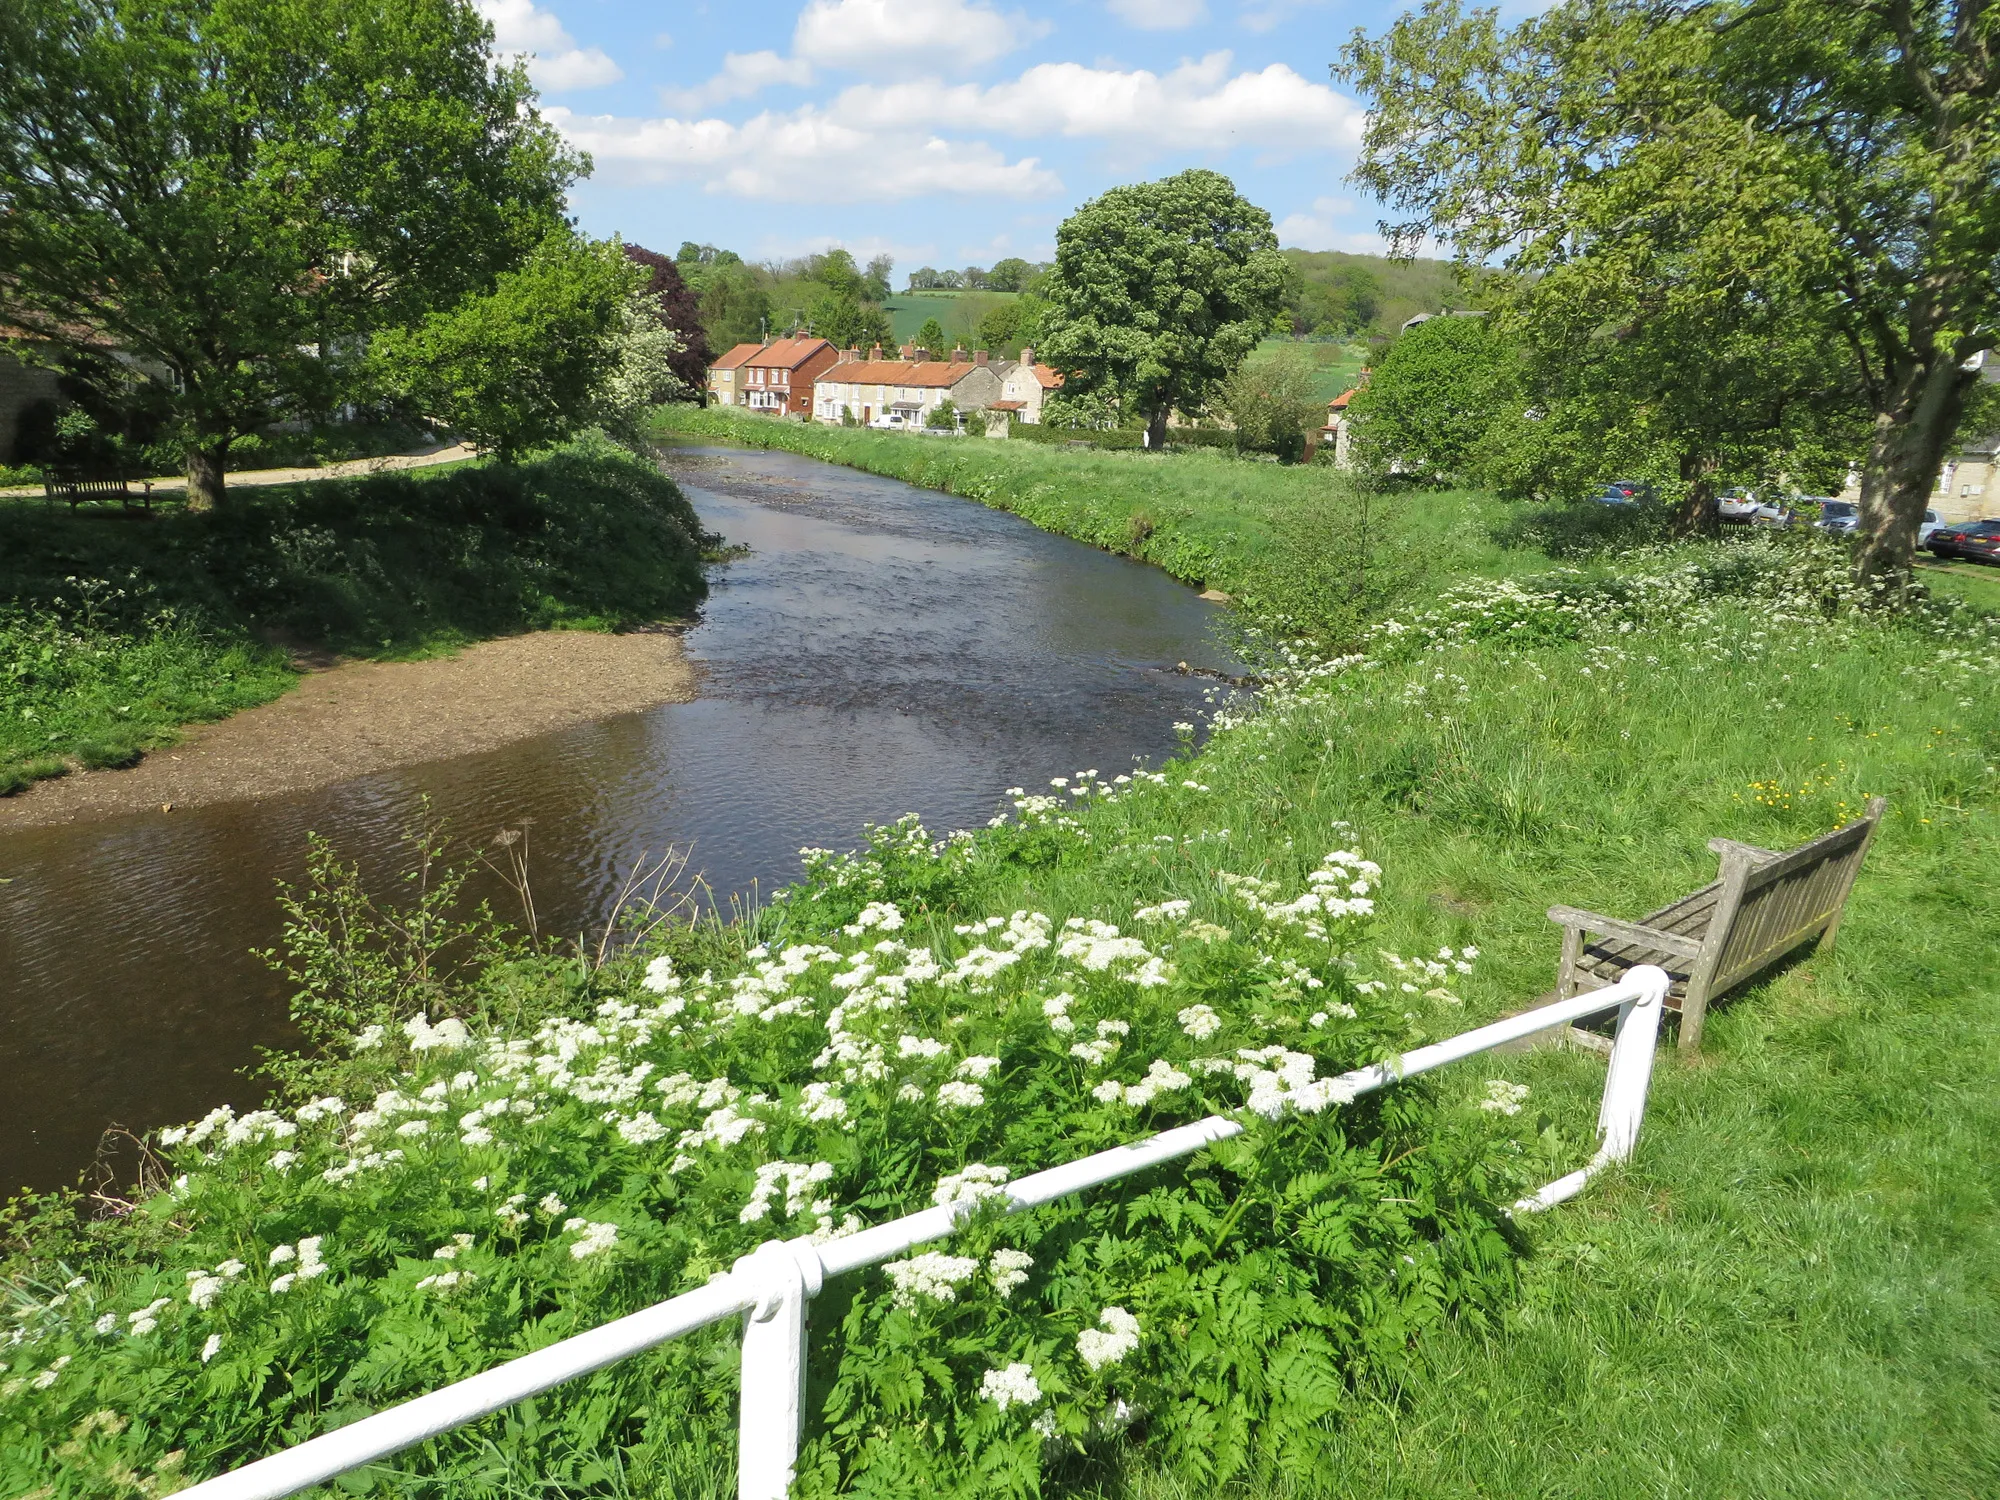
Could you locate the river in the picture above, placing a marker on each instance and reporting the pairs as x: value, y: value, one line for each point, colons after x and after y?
x: 880, y: 649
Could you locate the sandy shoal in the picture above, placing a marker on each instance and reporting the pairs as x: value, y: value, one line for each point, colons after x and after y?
x: 360, y: 717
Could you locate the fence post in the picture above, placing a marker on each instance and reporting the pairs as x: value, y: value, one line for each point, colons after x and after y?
x: 788, y: 1276
x: 1630, y: 1072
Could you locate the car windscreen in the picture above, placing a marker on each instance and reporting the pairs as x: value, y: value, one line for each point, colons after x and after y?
x: 1836, y: 507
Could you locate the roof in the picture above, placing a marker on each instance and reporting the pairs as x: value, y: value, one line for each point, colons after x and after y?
x: 925, y: 372
x: 1339, y: 403
x: 1048, y: 378
x: 788, y: 354
x: 1005, y: 405
x: 736, y: 356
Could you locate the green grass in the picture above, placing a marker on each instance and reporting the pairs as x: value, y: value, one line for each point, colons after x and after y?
x: 1795, y: 1291
x: 116, y: 630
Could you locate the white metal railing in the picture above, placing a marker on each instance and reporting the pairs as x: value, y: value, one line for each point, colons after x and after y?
x: 773, y: 1286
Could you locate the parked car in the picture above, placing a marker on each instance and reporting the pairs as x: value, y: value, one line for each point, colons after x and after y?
x: 891, y: 421
x: 1737, y: 505
x: 1838, y: 516
x: 1931, y: 522
x: 1976, y: 540
x: 1625, y: 492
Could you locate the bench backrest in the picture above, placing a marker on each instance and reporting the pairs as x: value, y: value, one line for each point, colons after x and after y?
x: 1768, y: 906
x: 59, y: 482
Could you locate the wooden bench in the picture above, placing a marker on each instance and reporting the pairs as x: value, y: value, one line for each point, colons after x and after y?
x: 78, y: 485
x: 1765, y: 904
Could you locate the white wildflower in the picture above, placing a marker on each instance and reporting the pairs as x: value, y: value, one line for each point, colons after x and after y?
x: 450, y: 1250
x: 106, y: 1324
x: 958, y: 1094
x: 641, y: 1129
x: 1502, y: 1097
x: 211, y: 1348
x: 1166, y: 911
x: 1107, y: 1344
x: 591, y: 1238
x: 977, y: 1067
x: 1009, y: 1269
x: 932, y: 1274
x: 660, y: 976
x: 1013, y: 1386
x: 1200, y: 1022
x: 974, y: 1182
x: 48, y: 1377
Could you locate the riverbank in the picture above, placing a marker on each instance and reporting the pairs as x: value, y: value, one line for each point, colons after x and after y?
x: 119, y: 630
x: 357, y: 718
x: 1794, y: 1289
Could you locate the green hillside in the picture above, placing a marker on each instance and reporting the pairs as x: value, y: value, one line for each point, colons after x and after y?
x: 958, y: 311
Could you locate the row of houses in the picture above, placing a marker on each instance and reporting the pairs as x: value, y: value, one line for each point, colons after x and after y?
x: 810, y: 378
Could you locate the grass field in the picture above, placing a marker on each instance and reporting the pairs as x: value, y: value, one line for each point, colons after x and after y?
x: 1793, y: 1291
x: 115, y: 630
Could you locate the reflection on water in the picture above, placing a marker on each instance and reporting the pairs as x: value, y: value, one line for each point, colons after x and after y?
x: 881, y: 650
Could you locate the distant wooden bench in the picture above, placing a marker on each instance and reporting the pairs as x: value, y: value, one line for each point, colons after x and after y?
x: 78, y: 485
x: 1765, y: 904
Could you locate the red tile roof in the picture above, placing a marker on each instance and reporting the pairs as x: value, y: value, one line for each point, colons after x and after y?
x: 1339, y: 403
x: 788, y: 354
x: 1048, y: 378
x: 1005, y: 405
x: 736, y: 357
x: 928, y: 372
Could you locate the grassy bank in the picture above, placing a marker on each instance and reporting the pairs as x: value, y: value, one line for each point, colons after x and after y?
x: 1794, y: 1291
x: 115, y: 630
x: 1264, y: 532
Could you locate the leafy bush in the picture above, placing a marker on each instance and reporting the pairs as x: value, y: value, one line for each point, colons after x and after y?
x: 453, y: 1191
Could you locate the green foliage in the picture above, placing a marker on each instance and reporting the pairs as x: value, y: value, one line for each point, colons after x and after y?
x: 943, y: 416
x: 1160, y: 290
x: 931, y: 337
x: 116, y: 635
x: 527, y: 363
x: 847, y: 322
x: 1682, y: 178
x: 1272, y: 403
x: 235, y: 192
x: 1010, y: 275
x: 1427, y: 408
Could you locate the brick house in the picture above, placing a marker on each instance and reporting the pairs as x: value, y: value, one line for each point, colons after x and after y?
x: 911, y: 387
x: 778, y: 378
x: 725, y: 376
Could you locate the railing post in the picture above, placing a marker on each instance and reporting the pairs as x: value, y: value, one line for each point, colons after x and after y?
x: 1630, y: 1073
x: 774, y: 1366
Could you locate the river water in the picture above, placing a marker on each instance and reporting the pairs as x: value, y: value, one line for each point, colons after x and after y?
x: 880, y: 650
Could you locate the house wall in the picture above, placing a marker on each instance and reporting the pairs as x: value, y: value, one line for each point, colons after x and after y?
x: 1968, y: 488
x: 21, y: 385
x: 1018, y: 382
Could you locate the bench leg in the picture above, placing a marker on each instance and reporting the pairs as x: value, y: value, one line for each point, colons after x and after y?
x: 1566, y: 970
x: 1694, y: 1010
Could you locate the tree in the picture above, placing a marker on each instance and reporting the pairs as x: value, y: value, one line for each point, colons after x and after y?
x: 847, y: 322
x: 931, y: 337
x: 1009, y: 275
x: 680, y: 311
x: 1159, y: 292
x: 1428, y: 405
x: 1271, y: 402
x: 529, y: 362
x: 875, y: 284
x: 1851, y: 148
x: 234, y: 192
x: 924, y: 279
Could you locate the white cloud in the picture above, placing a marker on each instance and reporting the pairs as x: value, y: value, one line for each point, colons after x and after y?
x: 1197, y: 106
x: 555, y: 62
x: 896, y: 38
x: 1331, y: 224
x: 743, y: 74
x: 1159, y: 15
x: 804, y: 156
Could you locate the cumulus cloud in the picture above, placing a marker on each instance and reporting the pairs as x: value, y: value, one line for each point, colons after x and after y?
x: 1331, y: 224
x: 743, y: 74
x: 1159, y: 15
x: 804, y: 156
x: 896, y: 38
x: 1198, y: 105
x: 555, y: 62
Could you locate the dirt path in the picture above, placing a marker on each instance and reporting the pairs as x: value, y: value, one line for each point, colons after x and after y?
x: 347, y: 469
x: 359, y: 717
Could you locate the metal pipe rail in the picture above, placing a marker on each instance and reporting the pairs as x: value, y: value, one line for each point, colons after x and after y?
x: 772, y: 1286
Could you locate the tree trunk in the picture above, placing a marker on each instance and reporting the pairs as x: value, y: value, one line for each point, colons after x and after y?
x: 1156, y: 430
x: 204, y: 475
x: 1698, y: 515
x: 1907, y: 448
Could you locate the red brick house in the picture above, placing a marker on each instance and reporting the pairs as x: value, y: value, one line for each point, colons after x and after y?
x: 779, y: 377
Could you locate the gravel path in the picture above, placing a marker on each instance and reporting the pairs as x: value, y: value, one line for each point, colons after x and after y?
x: 360, y: 717
x: 347, y: 469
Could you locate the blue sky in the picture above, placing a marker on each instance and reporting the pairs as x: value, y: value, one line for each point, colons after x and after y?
x: 945, y: 132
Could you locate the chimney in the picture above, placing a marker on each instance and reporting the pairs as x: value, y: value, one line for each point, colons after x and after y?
x: 958, y: 355
x: 1027, y: 355
x: 919, y: 353
x: 979, y: 356
x: 875, y: 352
x: 847, y: 356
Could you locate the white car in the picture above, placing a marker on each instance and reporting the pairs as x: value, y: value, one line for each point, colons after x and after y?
x: 891, y: 421
x: 1841, y: 517
x: 1737, y: 505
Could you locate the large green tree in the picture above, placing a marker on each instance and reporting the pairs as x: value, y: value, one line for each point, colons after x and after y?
x: 1160, y: 290
x: 231, y: 192
x: 1851, y: 148
x: 1428, y: 405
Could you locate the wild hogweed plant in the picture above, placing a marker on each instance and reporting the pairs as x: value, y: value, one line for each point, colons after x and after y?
x: 472, y: 1193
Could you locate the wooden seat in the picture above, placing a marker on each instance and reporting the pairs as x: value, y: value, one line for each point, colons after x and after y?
x: 78, y: 485
x: 1765, y: 904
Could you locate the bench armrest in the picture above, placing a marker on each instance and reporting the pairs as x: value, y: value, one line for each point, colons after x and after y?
x: 1626, y: 932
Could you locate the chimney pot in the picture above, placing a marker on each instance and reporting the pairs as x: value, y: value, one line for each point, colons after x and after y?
x: 875, y: 352
x: 958, y: 355
x: 1027, y: 355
